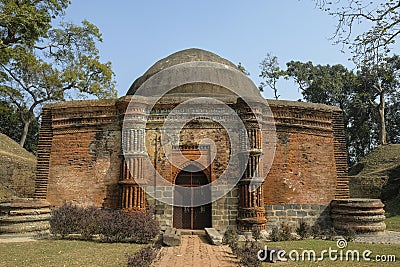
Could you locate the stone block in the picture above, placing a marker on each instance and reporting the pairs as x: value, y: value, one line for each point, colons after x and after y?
x: 306, y: 206
x: 291, y: 213
x: 280, y: 213
x: 214, y: 236
x: 268, y: 207
x: 301, y: 213
x: 233, y: 212
x: 172, y: 237
x: 167, y: 194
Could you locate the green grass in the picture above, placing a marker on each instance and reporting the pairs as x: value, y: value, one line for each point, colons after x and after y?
x: 65, y: 253
x: 393, y: 223
x: 319, y: 245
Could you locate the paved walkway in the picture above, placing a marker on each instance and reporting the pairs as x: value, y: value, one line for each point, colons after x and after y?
x: 388, y: 237
x: 195, y: 250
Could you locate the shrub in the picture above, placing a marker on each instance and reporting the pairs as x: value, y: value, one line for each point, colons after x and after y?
x: 303, y: 230
x: 256, y: 233
x: 230, y: 236
x: 144, y: 257
x: 316, y: 230
x: 284, y: 233
x: 331, y: 234
x: 349, y: 234
x: 274, y: 235
x: 137, y: 227
x: 65, y: 220
x: 112, y: 225
x: 247, y: 254
x: 143, y: 227
x: 89, y: 221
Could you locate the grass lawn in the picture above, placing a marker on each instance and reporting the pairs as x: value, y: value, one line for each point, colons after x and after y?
x: 65, y: 253
x: 319, y: 245
x: 393, y: 223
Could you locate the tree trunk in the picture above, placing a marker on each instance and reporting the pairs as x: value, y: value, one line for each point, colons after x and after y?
x: 25, y: 131
x: 381, y: 111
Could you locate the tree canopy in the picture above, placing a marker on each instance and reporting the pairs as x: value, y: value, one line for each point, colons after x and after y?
x: 25, y: 21
x: 382, y: 18
x: 372, y: 48
x: 271, y: 72
x: 40, y: 63
x: 354, y: 93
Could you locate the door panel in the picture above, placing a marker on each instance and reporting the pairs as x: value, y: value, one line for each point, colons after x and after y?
x: 192, y: 217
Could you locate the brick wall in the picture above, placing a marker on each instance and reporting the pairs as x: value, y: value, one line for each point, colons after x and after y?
x: 84, y: 162
x: 80, y: 158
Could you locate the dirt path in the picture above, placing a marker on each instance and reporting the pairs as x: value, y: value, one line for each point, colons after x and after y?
x: 196, y: 251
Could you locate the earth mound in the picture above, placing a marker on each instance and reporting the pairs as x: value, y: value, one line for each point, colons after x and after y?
x: 377, y: 175
x: 17, y: 170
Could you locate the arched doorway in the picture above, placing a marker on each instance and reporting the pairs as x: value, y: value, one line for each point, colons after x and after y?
x: 192, y: 217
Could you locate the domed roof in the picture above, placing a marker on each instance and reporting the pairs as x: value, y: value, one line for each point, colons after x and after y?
x: 184, y: 56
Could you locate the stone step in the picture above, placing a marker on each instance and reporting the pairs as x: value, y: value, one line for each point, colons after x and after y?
x: 214, y: 236
x: 172, y: 237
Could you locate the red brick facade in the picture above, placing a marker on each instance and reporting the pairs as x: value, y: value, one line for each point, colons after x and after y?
x: 81, y: 157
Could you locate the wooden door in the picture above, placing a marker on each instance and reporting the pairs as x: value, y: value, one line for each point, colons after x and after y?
x: 192, y: 217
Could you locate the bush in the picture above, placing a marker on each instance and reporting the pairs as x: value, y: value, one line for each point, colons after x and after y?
x: 144, y: 257
x: 247, y: 254
x: 230, y: 237
x: 90, y: 221
x: 316, y: 230
x: 274, y: 235
x: 143, y: 227
x: 137, y: 227
x: 65, y: 220
x: 303, y: 230
x: 112, y: 225
x: 284, y: 233
x: 256, y: 233
x: 349, y: 234
x: 331, y: 234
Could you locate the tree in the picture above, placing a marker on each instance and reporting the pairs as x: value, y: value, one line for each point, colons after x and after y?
x: 355, y: 94
x: 382, y: 17
x: 271, y: 72
x: 12, y: 125
x: 243, y: 69
x: 372, y: 47
x: 41, y: 64
x: 25, y: 21
x: 334, y: 85
x: 327, y: 84
x: 383, y: 80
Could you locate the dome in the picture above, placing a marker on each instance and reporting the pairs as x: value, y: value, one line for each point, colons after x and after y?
x: 184, y: 56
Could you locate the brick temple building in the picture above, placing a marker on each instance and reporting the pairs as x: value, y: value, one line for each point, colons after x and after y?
x: 95, y: 152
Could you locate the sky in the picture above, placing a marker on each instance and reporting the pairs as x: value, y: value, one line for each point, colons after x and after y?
x: 136, y: 34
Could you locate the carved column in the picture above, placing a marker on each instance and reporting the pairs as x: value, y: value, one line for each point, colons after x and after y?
x: 133, y: 197
x: 251, y: 205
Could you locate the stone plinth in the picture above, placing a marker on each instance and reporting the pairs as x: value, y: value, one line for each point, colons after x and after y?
x: 23, y: 215
x: 359, y: 214
x: 172, y: 237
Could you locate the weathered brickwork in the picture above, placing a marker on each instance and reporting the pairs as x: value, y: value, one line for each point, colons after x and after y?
x: 85, y: 154
x: 304, y: 166
x: 81, y: 157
